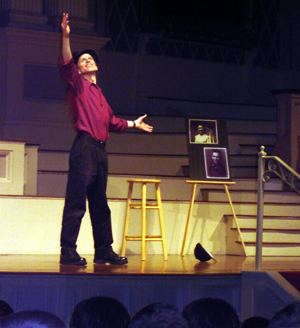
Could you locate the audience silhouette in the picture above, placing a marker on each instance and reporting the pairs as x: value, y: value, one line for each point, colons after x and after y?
x: 158, y: 315
x: 5, y: 309
x: 99, y: 312
x: 210, y: 313
x: 108, y: 312
x: 255, y: 322
x: 32, y: 319
x: 287, y: 317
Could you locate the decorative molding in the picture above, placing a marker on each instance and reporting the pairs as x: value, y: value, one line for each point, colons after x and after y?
x: 27, y: 5
x: 59, y: 293
x: 28, y: 19
x: 76, y: 8
x: 36, y: 37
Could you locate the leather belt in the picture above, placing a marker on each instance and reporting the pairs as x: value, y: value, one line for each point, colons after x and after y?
x: 93, y: 141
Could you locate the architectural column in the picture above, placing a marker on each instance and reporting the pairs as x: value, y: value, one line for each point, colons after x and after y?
x: 32, y: 93
x: 22, y: 5
x: 23, y: 14
x: 78, y: 11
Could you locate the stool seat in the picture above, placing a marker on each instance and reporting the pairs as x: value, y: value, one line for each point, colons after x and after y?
x: 144, y: 180
x: 144, y: 204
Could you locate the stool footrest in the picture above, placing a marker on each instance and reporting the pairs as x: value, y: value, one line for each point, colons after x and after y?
x: 154, y: 239
x: 146, y: 208
x: 139, y: 206
x: 147, y: 239
x: 139, y: 236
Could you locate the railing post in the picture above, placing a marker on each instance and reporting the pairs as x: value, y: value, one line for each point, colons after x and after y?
x: 260, y: 209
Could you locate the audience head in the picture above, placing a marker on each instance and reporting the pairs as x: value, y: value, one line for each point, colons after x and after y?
x: 99, y: 312
x: 210, y: 313
x: 158, y: 315
x: 32, y: 319
x: 287, y: 317
x: 255, y: 322
x: 5, y: 309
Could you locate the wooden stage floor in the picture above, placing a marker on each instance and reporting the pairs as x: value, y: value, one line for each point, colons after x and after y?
x: 154, y: 265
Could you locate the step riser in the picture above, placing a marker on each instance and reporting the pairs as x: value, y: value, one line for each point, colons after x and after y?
x: 241, y: 185
x: 235, y: 142
x: 233, y: 240
x: 273, y: 237
x: 270, y: 224
x: 275, y: 251
x: 269, y: 197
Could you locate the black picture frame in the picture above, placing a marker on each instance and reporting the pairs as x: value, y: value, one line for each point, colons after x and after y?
x: 198, y: 159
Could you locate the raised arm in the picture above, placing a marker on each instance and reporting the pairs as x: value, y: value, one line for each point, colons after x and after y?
x: 66, y: 48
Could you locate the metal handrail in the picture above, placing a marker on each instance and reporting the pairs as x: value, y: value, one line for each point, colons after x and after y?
x: 268, y: 166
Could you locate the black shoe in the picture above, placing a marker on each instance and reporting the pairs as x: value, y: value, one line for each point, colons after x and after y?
x: 110, y: 258
x: 69, y: 256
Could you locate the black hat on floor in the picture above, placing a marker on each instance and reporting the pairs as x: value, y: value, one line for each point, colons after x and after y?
x: 77, y: 54
x: 201, y: 254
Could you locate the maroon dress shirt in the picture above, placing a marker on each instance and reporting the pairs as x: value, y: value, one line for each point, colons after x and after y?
x: 90, y: 110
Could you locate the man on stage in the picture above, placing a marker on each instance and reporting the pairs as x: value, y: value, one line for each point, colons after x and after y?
x: 88, y: 167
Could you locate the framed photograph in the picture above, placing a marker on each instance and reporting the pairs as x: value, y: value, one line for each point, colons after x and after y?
x: 203, y: 131
x: 216, y: 163
x: 202, y: 151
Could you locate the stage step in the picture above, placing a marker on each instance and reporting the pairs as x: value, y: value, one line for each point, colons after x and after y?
x: 248, y: 160
x: 239, y: 143
x: 280, y: 234
x: 270, y: 196
x: 278, y: 249
x: 32, y: 216
x: 238, y: 126
x: 52, y: 170
x: 163, y: 152
x: 174, y: 188
x: 253, y: 149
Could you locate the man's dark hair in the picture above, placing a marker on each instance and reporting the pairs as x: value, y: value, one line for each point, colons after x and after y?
x: 32, y: 318
x: 255, y: 322
x: 5, y: 309
x: 99, y: 312
x: 210, y: 313
x: 216, y: 151
x: 158, y: 315
x: 287, y: 317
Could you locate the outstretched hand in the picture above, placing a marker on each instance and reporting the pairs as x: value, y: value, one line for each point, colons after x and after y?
x: 65, y: 25
x: 141, y: 125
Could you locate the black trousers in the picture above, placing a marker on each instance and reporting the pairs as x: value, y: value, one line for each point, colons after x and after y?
x: 87, y: 177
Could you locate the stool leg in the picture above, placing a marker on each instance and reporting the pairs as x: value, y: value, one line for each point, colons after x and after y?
x: 127, y: 218
x: 188, y: 218
x: 144, y: 249
x: 161, y: 222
